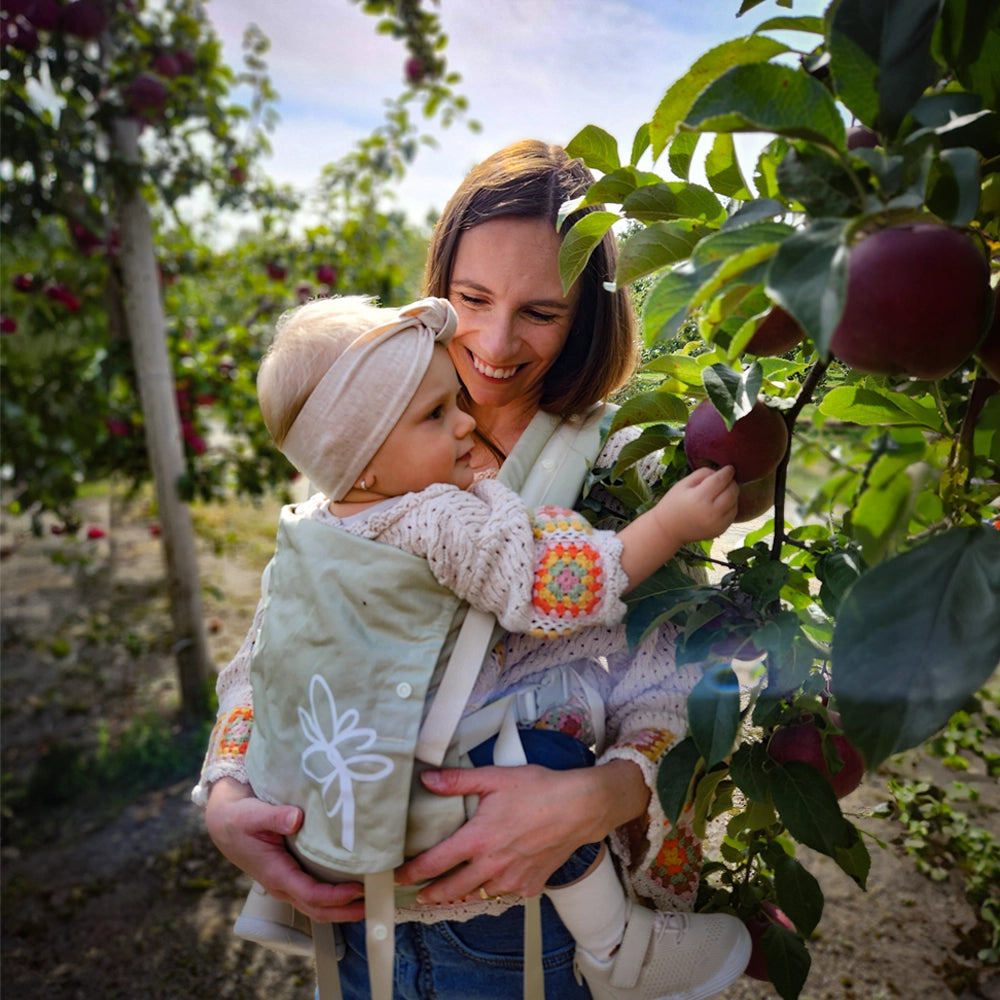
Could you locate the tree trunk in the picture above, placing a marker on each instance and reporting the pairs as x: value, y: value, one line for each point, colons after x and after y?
x: 147, y: 333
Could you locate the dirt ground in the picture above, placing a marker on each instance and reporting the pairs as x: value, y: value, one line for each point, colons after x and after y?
x: 105, y: 897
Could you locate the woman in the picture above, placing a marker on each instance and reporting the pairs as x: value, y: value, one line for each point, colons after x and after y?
x: 523, y: 347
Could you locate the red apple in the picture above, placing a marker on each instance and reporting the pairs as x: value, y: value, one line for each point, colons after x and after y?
x: 8, y: 324
x: 167, y: 65
x: 326, y: 274
x: 61, y: 294
x: 767, y: 916
x: 755, y: 498
x: 755, y: 445
x: 146, y: 95
x: 186, y: 62
x: 276, y: 271
x: 43, y: 14
x: 24, y: 282
x: 776, y: 334
x: 237, y: 175
x: 988, y: 352
x: 20, y: 35
x: 83, y: 19
x: 803, y: 741
x: 860, y: 136
x: 415, y: 69
x: 916, y: 302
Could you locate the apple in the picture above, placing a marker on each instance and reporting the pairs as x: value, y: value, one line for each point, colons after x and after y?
x: 755, y: 446
x: 988, y: 352
x: 20, y: 35
x: 755, y: 498
x: 860, y: 136
x: 803, y: 741
x: 776, y: 334
x: 12, y: 8
x: 43, y: 14
x: 83, y: 19
x: 8, y: 324
x: 916, y: 303
x: 276, y: 271
x: 415, y: 69
x: 767, y: 916
x: 167, y: 65
x: 185, y: 61
x: 24, y: 282
x: 237, y: 175
x: 146, y: 95
x: 326, y: 274
x: 61, y: 294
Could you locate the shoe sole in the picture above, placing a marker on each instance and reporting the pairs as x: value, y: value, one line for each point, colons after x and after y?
x: 262, y: 932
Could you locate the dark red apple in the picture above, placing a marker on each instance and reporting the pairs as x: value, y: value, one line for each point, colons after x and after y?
x: 167, y: 65
x: 755, y: 445
x: 988, y: 352
x: 61, y: 294
x: 83, y: 19
x: 24, y: 282
x: 146, y: 95
x: 43, y: 14
x: 860, y: 136
x: 276, y: 271
x: 8, y: 324
x: 415, y: 69
x: 326, y: 274
x: 916, y: 302
x: 777, y: 334
x: 20, y: 35
x: 803, y: 741
x: 755, y: 498
x: 186, y: 61
x: 767, y: 916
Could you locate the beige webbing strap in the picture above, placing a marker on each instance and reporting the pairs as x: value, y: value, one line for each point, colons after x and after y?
x: 327, y: 974
x: 380, y: 933
x: 534, y: 973
x: 456, y: 685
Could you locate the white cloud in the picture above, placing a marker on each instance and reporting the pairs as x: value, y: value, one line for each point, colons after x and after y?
x: 530, y: 68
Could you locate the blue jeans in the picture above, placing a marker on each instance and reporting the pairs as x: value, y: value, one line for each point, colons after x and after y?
x: 482, y: 958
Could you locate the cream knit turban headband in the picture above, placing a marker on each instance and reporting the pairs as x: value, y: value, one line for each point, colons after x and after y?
x: 363, y: 394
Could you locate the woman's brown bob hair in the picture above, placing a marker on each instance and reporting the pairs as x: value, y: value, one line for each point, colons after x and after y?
x: 532, y: 180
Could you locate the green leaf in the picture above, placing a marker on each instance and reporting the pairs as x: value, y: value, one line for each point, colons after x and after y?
x: 967, y: 39
x: 873, y: 406
x: 808, y: 278
x: 579, y: 243
x: 768, y: 98
x: 723, y: 169
x: 674, y: 200
x: 640, y: 143
x: 765, y: 580
x: 654, y: 247
x: 812, y: 25
x: 954, y: 185
x: 655, y: 406
x: 797, y: 891
x: 808, y: 808
x: 915, y: 637
x: 818, y: 181
x: 676, y: 366
x: 666, y: 304
x: 682, y: 153
x: 597, y: 148
x: 748, y: 769
x: 880, y: 53
x: 714, y: 712
x: 652, y: 439
x: 674, y: 776
x: 881, y: 515
x: 676, y: 102
x: 733, y: 393
x: 735, y: 238
x: 786, y: 959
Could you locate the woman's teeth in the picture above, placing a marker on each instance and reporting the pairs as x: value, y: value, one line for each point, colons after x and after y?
x: 490, y: 372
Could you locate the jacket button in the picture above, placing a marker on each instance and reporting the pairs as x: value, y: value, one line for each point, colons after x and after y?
x: 403, y: 689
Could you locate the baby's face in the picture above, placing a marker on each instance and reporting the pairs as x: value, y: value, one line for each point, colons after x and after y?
x: 432, y: 440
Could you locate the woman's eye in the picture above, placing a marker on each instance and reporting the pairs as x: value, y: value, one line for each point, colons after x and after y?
x: 470, y: 300
x: 541, y: 317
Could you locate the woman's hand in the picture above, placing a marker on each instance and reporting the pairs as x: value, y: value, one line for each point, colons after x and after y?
x: 529, y: 820
x: 251, y: 834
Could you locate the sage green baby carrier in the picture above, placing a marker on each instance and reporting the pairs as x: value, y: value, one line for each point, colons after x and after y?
x: 340, y: 693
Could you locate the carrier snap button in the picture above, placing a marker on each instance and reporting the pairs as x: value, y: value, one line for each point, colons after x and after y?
x: 548, y: 464
x: 403, y: 689
x: 380, y: 932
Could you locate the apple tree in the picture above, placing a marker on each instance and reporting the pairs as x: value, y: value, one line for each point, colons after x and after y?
x: 845, y: 285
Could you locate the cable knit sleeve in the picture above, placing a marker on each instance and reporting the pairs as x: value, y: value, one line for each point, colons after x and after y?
x: 227, y: 746
x: 545, y: 572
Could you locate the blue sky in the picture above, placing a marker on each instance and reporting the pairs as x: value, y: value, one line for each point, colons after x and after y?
x: 530, y: 68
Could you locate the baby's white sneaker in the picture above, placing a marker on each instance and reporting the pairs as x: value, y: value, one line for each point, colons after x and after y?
x: 669, y: 956
x: 274, y: 924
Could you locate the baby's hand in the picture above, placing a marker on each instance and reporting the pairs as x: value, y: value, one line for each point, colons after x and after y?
x: 703, y: 504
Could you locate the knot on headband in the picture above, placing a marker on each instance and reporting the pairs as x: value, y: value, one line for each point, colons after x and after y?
x: 363, y: 394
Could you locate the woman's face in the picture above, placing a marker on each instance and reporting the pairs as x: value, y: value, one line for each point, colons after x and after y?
x: 513, y: 317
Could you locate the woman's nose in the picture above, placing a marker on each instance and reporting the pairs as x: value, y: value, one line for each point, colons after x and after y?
x: 496, y: 337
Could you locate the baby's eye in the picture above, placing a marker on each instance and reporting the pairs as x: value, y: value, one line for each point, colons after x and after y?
x: 436, y: 414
